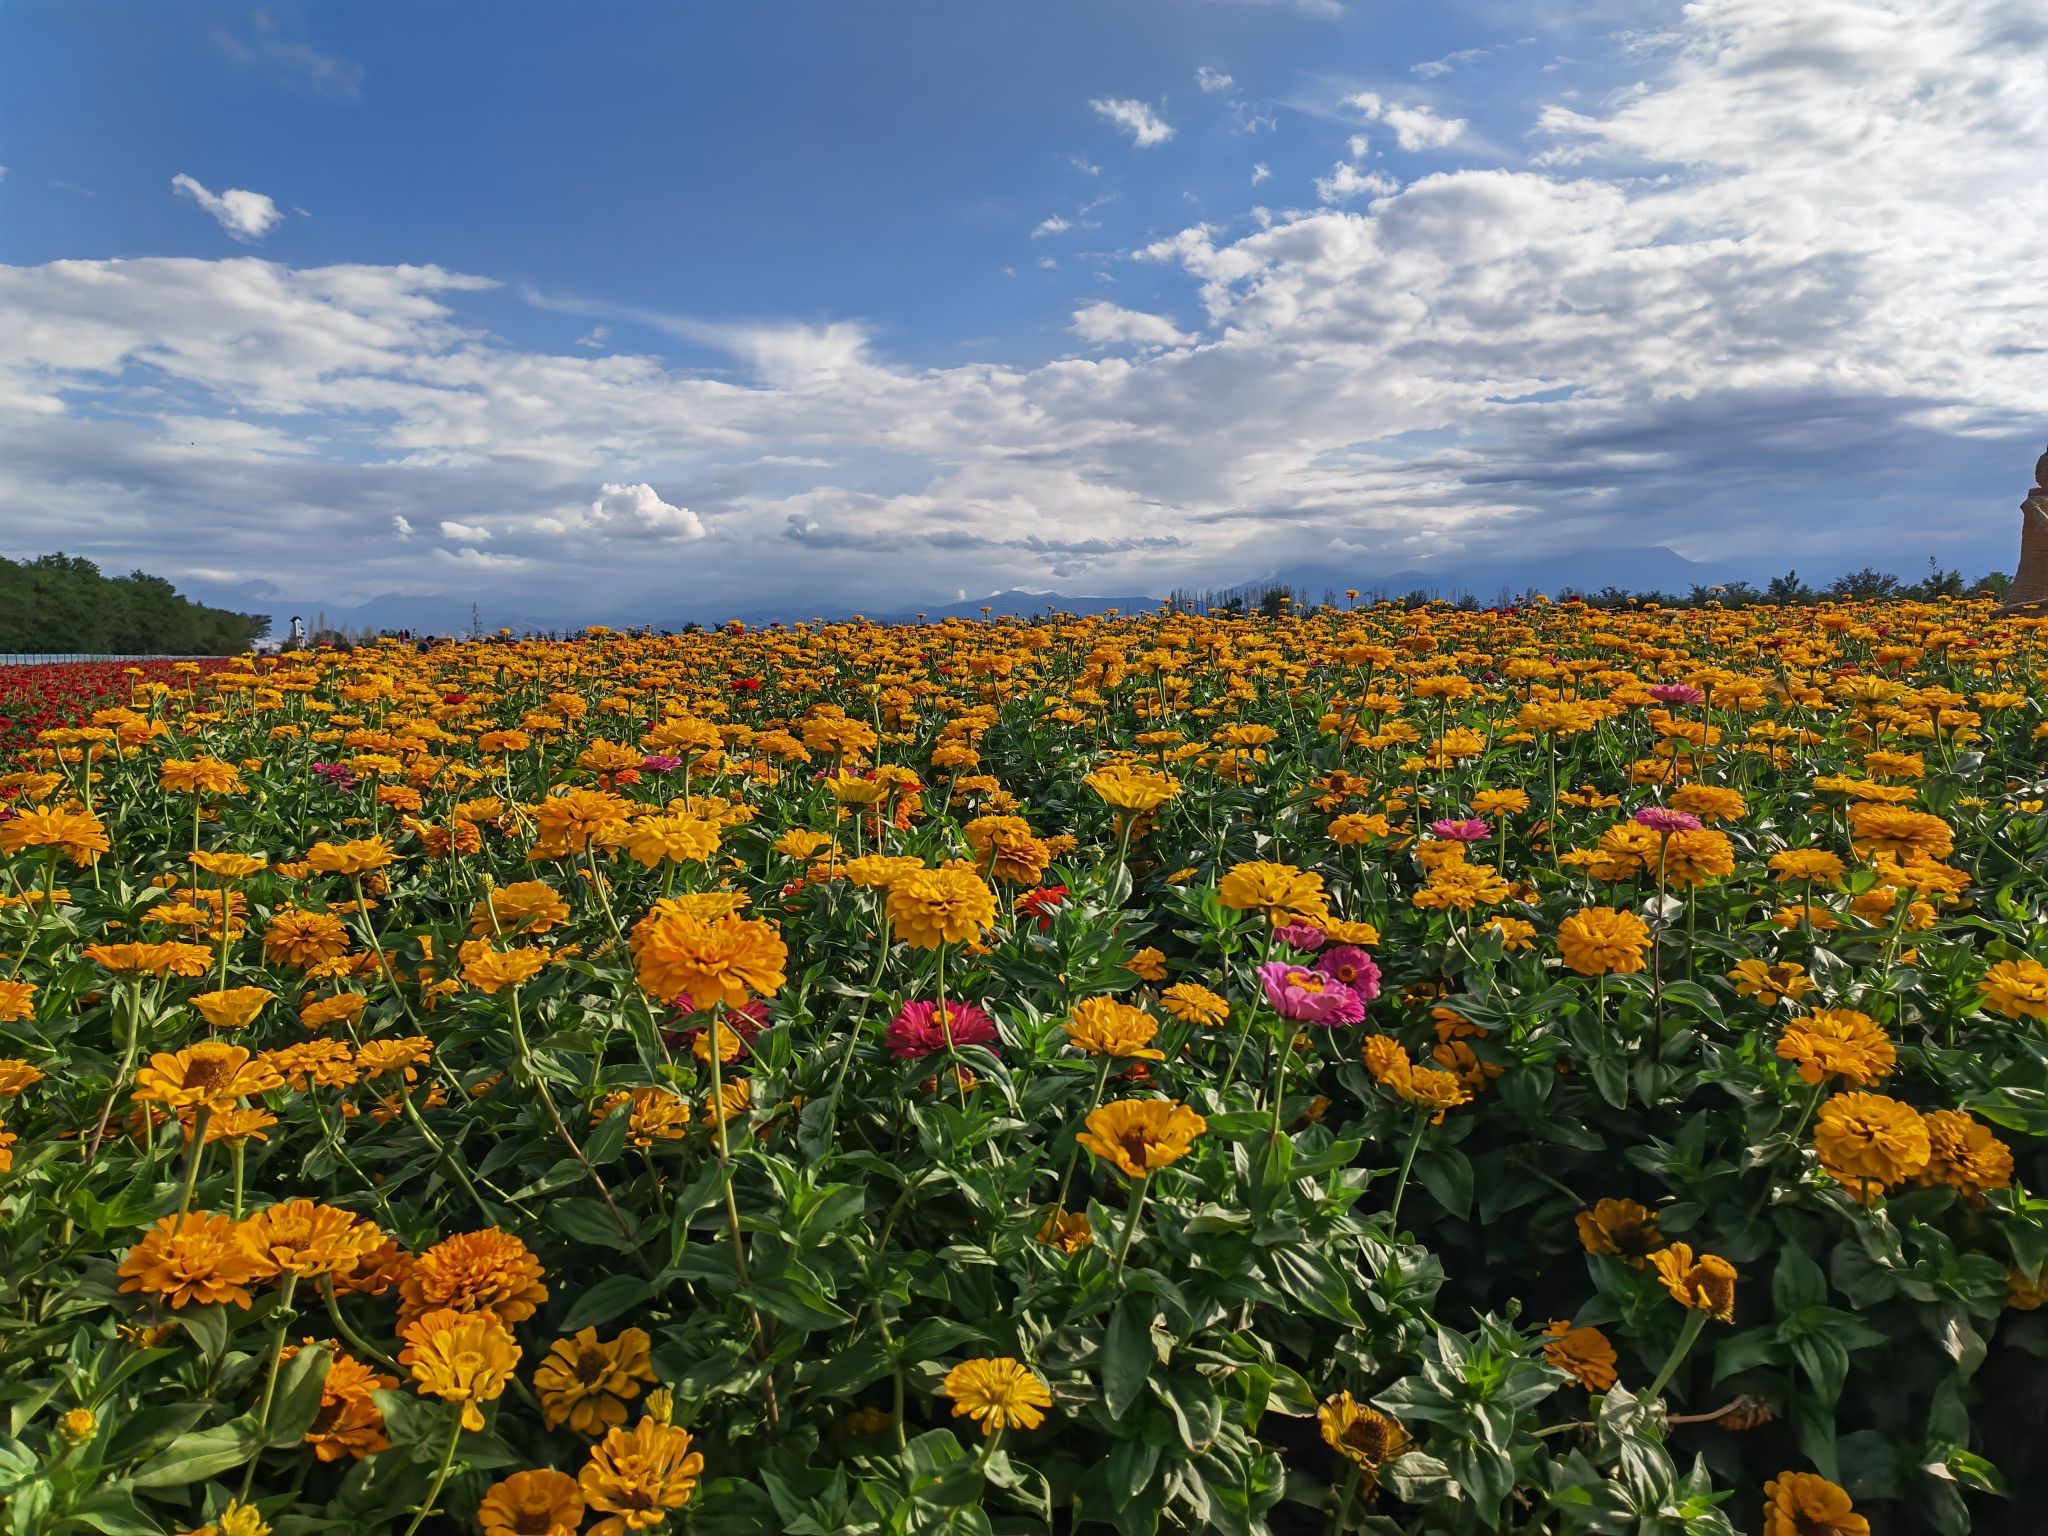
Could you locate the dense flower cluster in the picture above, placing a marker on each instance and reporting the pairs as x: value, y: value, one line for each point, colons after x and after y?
x: 1149, y: 1070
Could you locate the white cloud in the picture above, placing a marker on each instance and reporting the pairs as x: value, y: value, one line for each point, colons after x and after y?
x: 465, y: 533
x: 1108, y: 324
x: 1346, y: 181
x: 1051, y: 226
x: 1433, y: 68
x: 1084, y: 165
x: 1145, y: 126
x: 635, y: 510
x: 1212, y: 80
x: 1414, y: 128
x: 1357, y: 145
x: 1780, y: 304
x: 1260, y: 172
x: 596, y: 336
x: 244, y: 215
x: 402, y: 526
x: 265, y: 47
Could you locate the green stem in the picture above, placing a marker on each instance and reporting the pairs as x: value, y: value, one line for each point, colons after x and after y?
x: 354, y: 1340
x: 194, y: 1156
x: 1095, y: 1103
x: 1341, y: 1515
x: 1135, y: 1210
x: 99, y: 1131
x: 284, y: 1320
x: 1407, y: 1164
x: 1280, y: 1075
x: 440, y: 1478
x: 1694, y: 1321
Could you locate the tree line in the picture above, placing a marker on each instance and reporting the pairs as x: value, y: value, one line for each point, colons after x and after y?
x: 1866, y: 585
x: 63, y: 603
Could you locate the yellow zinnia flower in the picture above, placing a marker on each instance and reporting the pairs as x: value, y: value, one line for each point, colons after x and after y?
x: 1138, y: 1136
x: 465, y: 1358
x: 997, y: 1393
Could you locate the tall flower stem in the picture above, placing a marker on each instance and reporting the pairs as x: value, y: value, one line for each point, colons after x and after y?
x: 853, y: 1035
x: 1342, y: 1513
x: 1694, y: 1321
x: 540, y: 1087
x: 1407, y: 1165
x: 99, y: 1131
x: 440, y: 1478
x: 1279, y: 1089
x: 1094, y: 1103
x: 284, y: 1322
x: 354, y: 1340
x: 720, y: 1145
x: 1131, y: 1219
x: 194, y: 1156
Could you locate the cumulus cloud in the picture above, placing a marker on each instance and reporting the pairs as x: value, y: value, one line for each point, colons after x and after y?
x: 1779, y: 304
x: 1414, y: 128
x: 1145, y: 126
x: 1212, y: 80
x: 401, y: 525
x: 636, y: 511
x: 1260, y: 172
x: 1108, y: 324
x: 1346, y: 181
x: 464, y: 533
x: 244, y: 215
x: 1055, y: 225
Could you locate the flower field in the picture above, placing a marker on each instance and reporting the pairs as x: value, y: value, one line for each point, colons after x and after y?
x: 1375, y: 1071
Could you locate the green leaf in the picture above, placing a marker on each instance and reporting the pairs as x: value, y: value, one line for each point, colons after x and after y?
x: 1309, y: 1278
x: 1131, y: 1465
x: 611, y: 1297
x: 1798, y: 1283
x: 194, y: 1457
x: 297, y: 1402
x: 604, y: 1144
x: 1447, y: 1174
x: 208, y: 1327
x: 796, y: 1299
x: 936, y: 1336
x: 1127, y: 1357
x: 587, y: 1221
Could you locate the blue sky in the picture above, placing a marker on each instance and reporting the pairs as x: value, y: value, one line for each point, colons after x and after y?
x: 636, y: 306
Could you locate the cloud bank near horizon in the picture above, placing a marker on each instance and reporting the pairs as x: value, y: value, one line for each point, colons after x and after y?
x: 1779, y: 302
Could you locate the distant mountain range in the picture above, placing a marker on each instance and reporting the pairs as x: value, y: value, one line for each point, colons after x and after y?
x: 1651, y: 568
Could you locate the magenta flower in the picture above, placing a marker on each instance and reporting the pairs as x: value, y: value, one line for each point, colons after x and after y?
x: 1309, y: 997
x: 1470, y: 829
x: 1354, y: 968
x: 336, y: 774
x: 919, y: 1030
x: 660, y: 762
x: 1306, y: 937
x: 1661, y: 818
x: 1676, y: 693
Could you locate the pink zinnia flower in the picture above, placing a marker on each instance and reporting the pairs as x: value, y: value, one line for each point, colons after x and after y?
x: 1309, y: 997
x: 660, y: 762
x: 1354, y: 967
x: 1676, y: 693
x: 1306, y: 937
x: 1469, y: 829
x: 1661, y: 818
x: 919, y: 1030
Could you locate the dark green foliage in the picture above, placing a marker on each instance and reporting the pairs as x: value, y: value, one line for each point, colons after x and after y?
x: 62, y: 603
